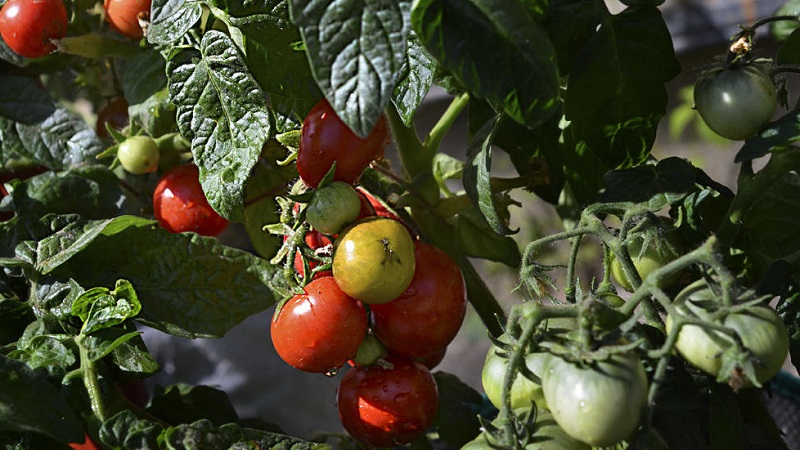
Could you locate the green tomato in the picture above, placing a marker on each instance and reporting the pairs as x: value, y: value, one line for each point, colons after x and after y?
x: 139, y: 154
x: 736, y: 102
x: 547, y: 435
x: 373, y: 260
x: 332, y: 207
x: 645, y: 262
x: 760, y: 330
x: 599, y: 404
x: 524, y: 391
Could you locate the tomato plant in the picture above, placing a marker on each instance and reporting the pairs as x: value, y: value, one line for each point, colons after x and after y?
x: 320, y: 330
x: 736, y: 101
x: 600, y: 404
x: 385, y: 406
x: 29, y: 27
x: 139, y: 154
x: 426, y: 317
x: 127, y: 16
x: 180, y: 205
x: 546, y: 435
x: 326, y: 139
x: 373, y: 260
x: 534, y: 196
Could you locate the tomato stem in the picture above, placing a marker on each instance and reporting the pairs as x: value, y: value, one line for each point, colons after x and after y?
x: 90, y: 381
x: 446, y: 121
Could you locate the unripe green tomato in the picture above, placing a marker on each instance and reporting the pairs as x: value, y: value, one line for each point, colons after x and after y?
x: 760, y: 330
x: 645, y: 263
x: 524, y: 391
x: 333, y: 207
x: 736, y: 102
x: 547, y: 435
x: 139, y: 155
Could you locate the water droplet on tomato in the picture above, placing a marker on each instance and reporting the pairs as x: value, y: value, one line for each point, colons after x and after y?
x: 402, y: 399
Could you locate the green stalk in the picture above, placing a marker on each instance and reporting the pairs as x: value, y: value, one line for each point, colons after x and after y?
x: 445, y: 122
x: 91, y: 382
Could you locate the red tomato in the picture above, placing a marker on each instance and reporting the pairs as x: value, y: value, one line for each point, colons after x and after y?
x: 425, y: 318
x: 385, y: 407
x: 124, y: 16
x: 29, y: 26
x: 87, y: 444
x: 179, y: 203
x: 4, y: 215
x: 320, y: 330
x: 381, y: 210
x: 325, y: 139
x: 367, y: 210
x: 114, y: 113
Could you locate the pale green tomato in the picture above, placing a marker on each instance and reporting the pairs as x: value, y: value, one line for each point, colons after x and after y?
x: 524, y: 391
x: 139, y: 155
x: 333, y: 207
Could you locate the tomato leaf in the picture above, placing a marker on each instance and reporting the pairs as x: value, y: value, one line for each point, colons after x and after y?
x: 100, y: 307
x: 188, y: 285
x: 59, y: 141
x: 260, y: 207
x: 143, y: 75
x: 776, y: 135
x: 355, y: 48
x: 170, y: 20
x: 413, y: 81
x: 182, y: 403
x: 23, y: 101
x: 570, y: 23
x: 125, y: 430
x: 477, y: 172
x: 631, y: 57
x: 478, y: 240
x: 29, y: 403
x: 225, y: 115
x: 478, y: 39
x: 459, y: 405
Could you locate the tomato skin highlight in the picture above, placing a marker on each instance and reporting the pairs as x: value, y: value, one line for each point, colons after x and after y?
x: 601, y: 404
x: 373, y: 260
x: 425, y: 318
x: 736, y: 102
x: 320, y: 330
x: 179, y: 203
x: 384, y: 407
x: 325, y: 139
x: 28, y: 26
x: 123, y: 16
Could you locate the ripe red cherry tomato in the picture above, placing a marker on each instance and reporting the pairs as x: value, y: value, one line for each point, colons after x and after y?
x: 124, y: 16
x: 28, y: 26
x: 320, y: 330
x: 425, y: 318
x: 385, y: 407
x: 87, y: 444
x: 115, y: 114
x: 179, y: 203
x: 325, y: 139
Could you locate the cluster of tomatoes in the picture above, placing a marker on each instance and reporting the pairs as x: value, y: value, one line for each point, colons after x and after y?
x: 388, y: 304
x: 32, y: 28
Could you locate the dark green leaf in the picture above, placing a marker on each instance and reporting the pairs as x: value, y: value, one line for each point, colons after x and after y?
x: 170, y: 20
x: 783, y: 28
x: 273, y: 57
x: 355, y: 48
x: 104, y: 341
x: 156, y: 114
x: 131, y: 355
x: 789, y: 51
x: 47, y: 352
x: 51, y: 298
x: 100, y: 307
x: 477, y: 174
x: 182, y: 403
x: 661, y: 185
x: 126, y: 431
x: 143, y: 75
x: 459, y: 406
x: 413, y: 81
x: 188, y: 285
x: 477, y: 239
x: 21, y: 100
x: 616, y: 93
x: 570, y: 24
x: 57, y: 248
x: 642, y: 2
x: 726, y: 424
x: 93, y: 192
x: 496, y: 50
x: 224, y: 113
x: 203, y: 434
x: 58, y: 141
x: 778, y: 134
x: 29, y: 403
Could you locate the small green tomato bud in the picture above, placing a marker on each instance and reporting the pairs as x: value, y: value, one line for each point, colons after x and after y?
x: 139, y: 155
